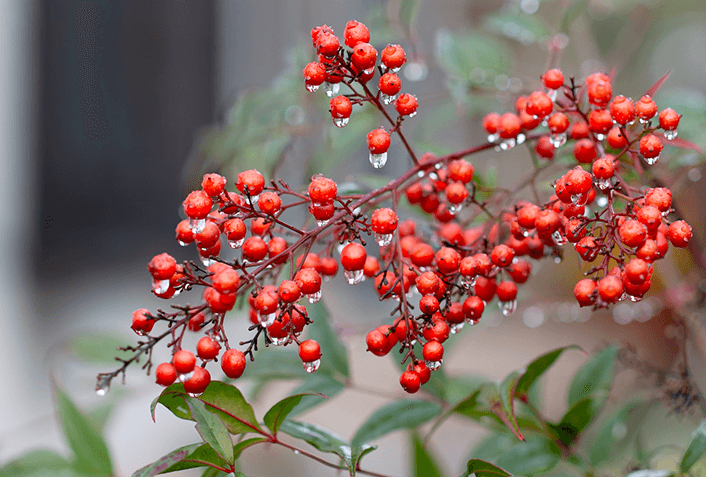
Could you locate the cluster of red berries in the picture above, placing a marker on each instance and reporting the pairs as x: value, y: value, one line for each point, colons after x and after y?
x: 440, y: 277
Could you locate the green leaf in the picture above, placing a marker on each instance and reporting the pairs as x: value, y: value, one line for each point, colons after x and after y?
x: 404, y: 414
x: 493, y: 446
x: 224, y: 400
x: 576, y: 420
x: 696, y: 449
x: 536, y: 455
x: 536, y: 369
x: 211, y: 429
x: 409, y: 9
x: 166, y: 461
x: 617, y: 432
x: 595, y: 378
x: 519, y: 26
x: 333, y: 350
x: 499, y: 398
x: 326, y: 441
x: 477, y: 407
x: 203, y: 455
x: 282, y: 409
x: 423, y: 462
x: 459, y: 53
x: 96, y: 348
x: 39, y: 463
x: 90, y: 450
x: 483, y: 469
x: 274, y: 363
x: 315, y: 387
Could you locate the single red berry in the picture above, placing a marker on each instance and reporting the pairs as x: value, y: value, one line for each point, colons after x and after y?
x: 340, y: 107
x: 579, y: 130
x: 393, y: 57
x: 213, y: 184
x: 269, y: 203
x: 547, y: 222
x: 328, y: 266
x: 502, y: 255
x: 276, y: 247
x: 553, y: 79
x: 353, y: 256
x: 197, y: 205
x: 651, y: 217
x: 184, y: 361
x: 142, y: 321
x: 327, y: 45
x: 456, y: 193
x: 610, y: 289
x: 637, y: 271
x: 622, y: 110
x: 322, y: 189
x: 184, y: 234
x: 389, y: 84
x: 289, y: 291
x: 600, y: 121
x: 165, y: 374
x: 506, y: 291
x: 309, y: 351
x: 406, y: 105
x: 650, y: 146
x: 485, y: 288
x: 491, y: 123
x: 447, y: 260
x: 433, y: 351
x: 520, y: 271
x: 234, y: 230
x: 219, y: 302
x: 355, y: 33
x: 599, y: 92
x: 266, y: 302
x: 669, y: 119
x: 603, y: 168
x: 558, y: 123
x: 233, y: 363
x: 410, y: 381
x: 318, y: 31
x: 364, y: 56
x: 208, y: 237
x: 616, y: 139
x: 384, y: 221
x: 509, y: 126
x: 198, y: 382
x: 309, y: 281
x: 649, y: 252
x: 660, y: 197
x: 545, y: 148
x: 372, y: 267
x: 646, y: 108
x: 377, y: 342
x: 679, y: 233
x: 473, y: 308
x: 632, y: 233
x: 585, y: 151
x: 529, y: 122
x: 428, y: 304
x: 378, y: 141
x: 207, y: 348
x: 578, y: 181
x: 585, y: 292
x: 250, y: 182
x: 460, y: 170
x: 254, y: 249
x: 162, y: 266
x: 539, y: 104
x: 226, y: 281
x: 196, y: 321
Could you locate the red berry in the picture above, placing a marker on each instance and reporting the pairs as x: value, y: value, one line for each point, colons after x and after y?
x: 372, y: 267
x: 142, y: 321
x: 364, y: 56
x: 456, y: 193
x: 309, y: 281
x: 234, y: 230
x: 377, y: 342
x: 610, y: 289
x: 585, y: 151
x: 254, y: 249
x: 428, y: 305
x: 616, y: 139
x: 353, y: 256
x: 646, y: 108
x: 650, y: 146
x: 269, y: 203
x: 340, y: 107
x: 579, y: 130
x: 539, y: 104
x: 410, y: 381
x: 669, y: 119
x: 660, y: 197
x: 599, y: 92
x: 208, y: 237
x: 502, y: 255
x: 433, y: 351
x: 207, y: 348
x: 447, y: 260
x: 233, y: 363
x: 460, y: 170
x: 213, y: 184
x: 553, y: 79
x: 197, y: 205
x: 389, y: 84
x: 393, y: 56
x: 632, y: 233
x: 378, y: 141
x: 406, y: 104
x: 651, y: 217
x: 600, y: 121
x: 289, y: 291
x: 165, y: 374
x: 585, y: 292
x: 226, y: 281
x: 679, y: 233
x: 603, y: 168
x: 509, y: 126
x: 322, y: 190
x: 637, y: 271
x: 506, y: 291
x: 520, y: 270
x: 318, y: 31
x: 558, y: 123
x: 622, y: 110
x: 198, y: 382
x: 184, y: 361
x: 545, y: 148
x: 162, y: 266
x: 309, y: 351
x: 491, y: 123
x: 355, y: 33
x: 327, y: 45
x: 384, y: 221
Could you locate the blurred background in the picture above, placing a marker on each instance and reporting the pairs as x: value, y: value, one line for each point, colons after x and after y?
x: 112, y: 111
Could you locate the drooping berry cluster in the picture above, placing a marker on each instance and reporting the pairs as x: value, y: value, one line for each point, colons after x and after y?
x: 439, y: 276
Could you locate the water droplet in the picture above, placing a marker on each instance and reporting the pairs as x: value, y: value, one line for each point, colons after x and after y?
x: 623, y: 297
x: 559, y: 239
x: 467, y: 282
x: 311, y: 366
x: 194, y: 395
x: 321, y: 223
x: 508, y: 307
x: 579, y: 199
x: 493, y: 137
x: 280, y: 341
x: 552, y: 93
x: 331, y: 89
x: 383, y: 239
x: 507, y: 144
x: 353, y: 277
x: 603, y: 184
x: 197, y: 225
x: 369, y: 70
x: 312, y: 88
x: 434, y: 365
x: 557, y: 140
x: 314, y: 297
x: 455, y: 208
x: 236, y: 243
x: 644, y: 121
x: 266, y: 320
x: 600, y: 137
x: 634, y: 299
x: 160, y: 286
x: 207, y: 262
x: 296, y: 452
x: 456, y: 327
x: 387, y: 99
x: 378, y: 160
x: 602, y: 201
x: 185, y: 377
x: 557, y: 259
x: 473, y: 321
x: 669, y: 135
x: 340, y: 122
x: 103, y: 385
x: 651, y: 161
x: 413, y: 114
x: 183, y: 244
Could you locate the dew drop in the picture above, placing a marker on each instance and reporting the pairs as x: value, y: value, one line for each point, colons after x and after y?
x: 312, y: 88
x: 557, y: 259
x: 378, y: 160
x: 185, y: 377
x: 369, y: 70
x: 311, y: 366
x: 559, y: 239
x: 600, y: 137
x: 383, y: 239
x: 434, y: 365
x: 183, y: 244
x: 644, y: 121
x: 340, y: 122
x: 236, y: 243
x: 331, y: 89
x: 314, y: 297
x: 103, y: 386
x: 266, y: 320
x: 321, y: 223
x: 552, y: 93
x: 651, y: 161
x: 557, y: 140
x: 353, y: 277
x: 207, y: 262
x: 160, y: 286
x: 473, y: 321
x: 579, y: 199
x: 634, y: 299
x: 296, y: 452
x: 455, y: 208
x: 508, y: 144
x: 456, y: 327
x: 467, y: 282
x: 602, y: 201
x: 280, y: 341
x: 493, y: 137
x: 669, y: 135
x: 413, y: 114
x: 603, y: 184
x: 387, y: 99
x: 197, y: 225
x: 508, y: 307
x: 194, y: 395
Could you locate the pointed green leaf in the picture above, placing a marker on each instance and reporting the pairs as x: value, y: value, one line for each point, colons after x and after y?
x: 166, y: 461
x: 211, y: 429
x: 576, y: 420
x: 500, y: 400
x: 327, y: 441
x: 423, y: 462
x: 483, y: 469
x: 617, y: 432
x: 224, y: 400
x: 96, y: 348
x: 316, y: 386
x: 536, y: 369
x: 536, y: 455
x: 203, y: 455
x: 493, y: 446
x: 274, y: 363
x: 696, y: 449
x: 282, y: 409
x: 39, y: 463
x: 91, y: 453
x: 332, y: 348
x: 404, y: 414
x: 595, y: 378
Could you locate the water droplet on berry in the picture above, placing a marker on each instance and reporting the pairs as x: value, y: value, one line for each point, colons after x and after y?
x: 383, y: 239
x: 473, y: 321
x: 456, y: 327
x: 312, y: 88
x: 321, y: 223
x: 370, y: 70
x: 467, y: 282
x: 413, y: 114
x: 557, y: 140
x: 434, y: 365
x: 314, y: 297
x: 455, y: 208
x: 508, y: 144
x: 103, y: 386
x: 183, y: 244
x: 266, y: 320
x: 601, y: 137
x: 579, y: 199
x: 197, y: 225
x: 340, y: 122
x: 651, y: 161
x: 207, y: 262
x: 280, y: 341
x: 311, y: 366
x: 644, y: 121
x: 378, y: 160
x: 559, y: 239
x: 552, y: 93
x: 387, y: 99
x: 493, y: 137
x: 508, y: 307
x: 634, y: 299
x: 331, y: 89
x: 185, y: 377
x: 669, y: 135
x: 236, y: 243
x: 603, y: 184
x: 353, y: 277
x: 194, y: 395
x: 160, y: 286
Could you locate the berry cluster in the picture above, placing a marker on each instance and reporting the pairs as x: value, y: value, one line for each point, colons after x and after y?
x: 441, y: 275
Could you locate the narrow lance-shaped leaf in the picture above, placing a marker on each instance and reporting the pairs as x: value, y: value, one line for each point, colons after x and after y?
x: 595, y: 378
x: 166, y: 461
x: 423, y: 462
x: 315, y: 387
x: 500, y: 399
x: 279, y: 412
x: 617, y: 432
x: 40, y: 463
x: 576, y: 420
x: 482, y: 468
x: 536, y: 369
x: 696, y: 449
x: 653, y: 89
x: 334, y: 351
x: 404, y: 414
x: 211, y: 429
